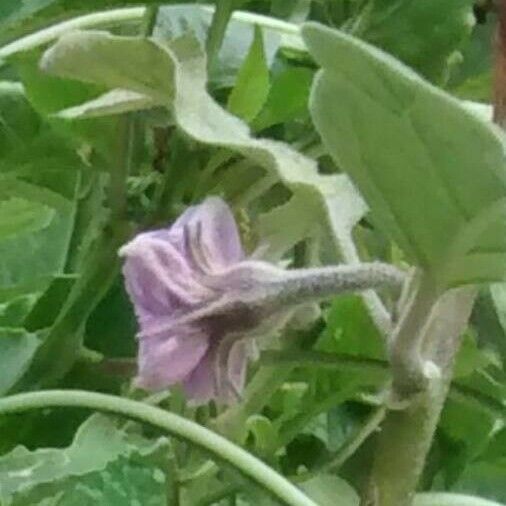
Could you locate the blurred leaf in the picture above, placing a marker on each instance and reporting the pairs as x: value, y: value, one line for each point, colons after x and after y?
x: 265, y: 434
x: 111, y: 328
x: 14, y: 311
x: 17, y: 348
x: 39, y: 171
x: 252, y: 83
x: 468, y: 426
x: 103, y: 465
x: 328, y: 490
x: 287, y: 98
x: 472, y: 79
x: 43, y: 251
x: 433, y: 175
x: 424, y: 35
x: 447, y: 499
x: 350, y: 329
x: 498, y: 295
x: 484, y: 479
x: 19, y: 216
x: 470, y: 358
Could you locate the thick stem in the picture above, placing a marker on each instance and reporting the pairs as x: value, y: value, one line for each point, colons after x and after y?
x: 174, y: 425
x: 408, y: 338
x: 407, y: 434
x: 316, y: 284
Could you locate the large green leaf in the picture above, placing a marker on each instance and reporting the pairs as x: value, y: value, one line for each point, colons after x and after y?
x: 176, y: 74
x: 433, y: 174
x: 103, y: 465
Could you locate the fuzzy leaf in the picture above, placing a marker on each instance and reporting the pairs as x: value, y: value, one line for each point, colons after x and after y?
x: 433, y: 174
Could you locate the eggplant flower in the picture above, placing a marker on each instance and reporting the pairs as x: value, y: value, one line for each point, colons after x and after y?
x: 200, y: 301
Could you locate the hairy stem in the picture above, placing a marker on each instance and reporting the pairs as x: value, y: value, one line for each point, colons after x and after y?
x: 316, y: 284
x: 408, y: 338
x: 407, y: 434
x: 174, y: 425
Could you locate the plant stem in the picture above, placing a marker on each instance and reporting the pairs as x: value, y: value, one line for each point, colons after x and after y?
x: 408, y: 338
x: 149, y: 20
x: 221, y: 17
x: 317, y: 284
x: 407, y: 434
x: 117, y: 193
x: 375, y: 371
x: 321, y: 359
x: 115, y: 17
x: 175, y: 425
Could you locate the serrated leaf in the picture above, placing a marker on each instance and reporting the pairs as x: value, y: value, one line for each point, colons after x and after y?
x: 484, y: 479
x: 433, y: 174
x: 252, y: 83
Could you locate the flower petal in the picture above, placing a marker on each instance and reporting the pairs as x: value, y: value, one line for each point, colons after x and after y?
x: 159, y: 280
x: 164, y: 360
x: 237, y: 365
x: 200, y: 385
x: 214, y: 226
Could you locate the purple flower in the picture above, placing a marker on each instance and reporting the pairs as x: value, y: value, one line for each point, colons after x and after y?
x: 193, y: 291
x: 200, y: 301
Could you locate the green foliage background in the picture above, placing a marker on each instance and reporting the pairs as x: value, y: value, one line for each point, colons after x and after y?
x: 110, y: 134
